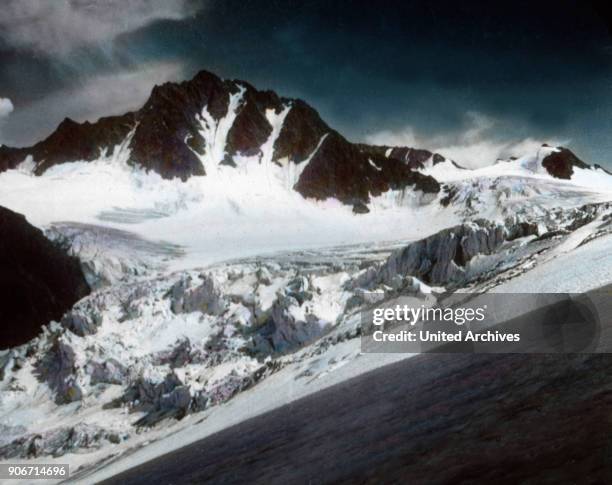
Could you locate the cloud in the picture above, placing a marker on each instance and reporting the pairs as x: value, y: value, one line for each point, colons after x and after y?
x: 6, y: 107
x: 103, y: 95
x: 59, y: 26
x: 479, y: 142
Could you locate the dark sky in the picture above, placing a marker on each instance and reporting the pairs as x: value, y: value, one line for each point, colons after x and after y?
x: 471, y: 79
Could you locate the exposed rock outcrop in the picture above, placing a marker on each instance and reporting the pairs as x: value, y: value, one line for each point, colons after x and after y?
x: 39, y: 282
x: 167, y: 133
x: 561, y: 163
x: 415, y: 158
x: 300, y: 134
x: 342, y: 170
x: 71, y: 141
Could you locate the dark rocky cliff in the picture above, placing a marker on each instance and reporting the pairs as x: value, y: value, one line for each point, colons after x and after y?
x: 38, y: 281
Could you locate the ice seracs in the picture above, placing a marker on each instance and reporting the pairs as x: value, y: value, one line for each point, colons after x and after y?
x: 146, y: 349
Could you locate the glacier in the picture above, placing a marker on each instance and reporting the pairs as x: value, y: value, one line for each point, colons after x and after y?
x: 224, y: 296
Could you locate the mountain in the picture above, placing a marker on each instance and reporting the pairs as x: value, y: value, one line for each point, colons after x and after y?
x: 193, y: 127
x: 221, y: 120
x: 38, y: 280
x: 208, y: 227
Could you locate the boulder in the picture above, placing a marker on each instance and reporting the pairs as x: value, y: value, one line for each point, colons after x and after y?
x: 360, y: 208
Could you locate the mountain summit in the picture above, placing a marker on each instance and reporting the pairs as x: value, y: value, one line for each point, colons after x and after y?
x: 191, y: 128
x: 185, y: 126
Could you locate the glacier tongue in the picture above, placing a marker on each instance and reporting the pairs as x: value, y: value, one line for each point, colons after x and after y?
x: 150, y: 346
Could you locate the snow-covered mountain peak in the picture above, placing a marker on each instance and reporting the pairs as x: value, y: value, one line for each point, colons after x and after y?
x: 227, y: 130
x: 545, y: 163
x: 194, y: 127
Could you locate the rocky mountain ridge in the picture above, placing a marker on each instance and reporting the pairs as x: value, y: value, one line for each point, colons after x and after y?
x: 221, y: 121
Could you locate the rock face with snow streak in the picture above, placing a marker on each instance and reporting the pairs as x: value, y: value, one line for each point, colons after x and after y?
x: 342, y: 170
x: 415, y: 158
x: 191, y: 128
x: 38, y: 280
x: 71, y: 141
x: 186, y: 128
x: 561, y: 162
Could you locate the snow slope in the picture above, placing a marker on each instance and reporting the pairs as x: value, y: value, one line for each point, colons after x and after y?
x: 230, y: 212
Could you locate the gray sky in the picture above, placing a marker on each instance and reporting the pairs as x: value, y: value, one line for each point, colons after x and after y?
x: 471, y: 81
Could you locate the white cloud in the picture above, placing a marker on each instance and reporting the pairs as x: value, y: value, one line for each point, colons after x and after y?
x: 58, y: 26
x: 6, y: 107
x: 104, y: 95
x: 481, y: 141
